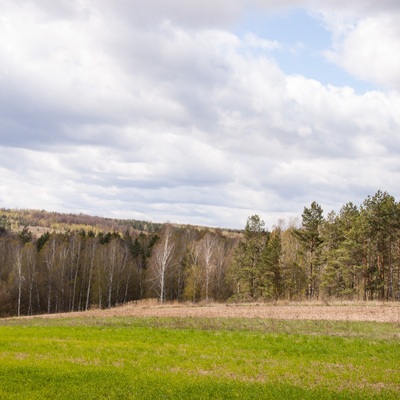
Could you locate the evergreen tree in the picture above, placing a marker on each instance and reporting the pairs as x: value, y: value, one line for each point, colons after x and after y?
x: 311, y: 240
x: 249, y: 261
x: 381, y: 215
x: 342, y: 253
x: 25, y: 235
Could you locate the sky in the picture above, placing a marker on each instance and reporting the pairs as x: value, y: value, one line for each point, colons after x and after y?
x: 198, y: 112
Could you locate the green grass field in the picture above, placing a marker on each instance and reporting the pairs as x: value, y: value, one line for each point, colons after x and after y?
x: 188, y: 358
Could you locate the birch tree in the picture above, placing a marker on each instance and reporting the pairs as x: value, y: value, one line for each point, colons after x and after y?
x: 91, y: 247
x: 31, y: 271
x: 162, y: 260
x: 207, y: 247
x: 17, y: 268
x: 75, y: 247
x: 49, y: 256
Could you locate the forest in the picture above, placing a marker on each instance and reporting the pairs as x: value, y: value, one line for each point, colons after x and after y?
x: 52, y: 262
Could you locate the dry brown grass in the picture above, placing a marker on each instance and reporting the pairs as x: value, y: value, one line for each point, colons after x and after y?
x: 337, y: 311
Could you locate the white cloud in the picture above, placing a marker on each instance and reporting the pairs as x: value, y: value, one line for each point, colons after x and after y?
x: 160, y: 112
x: 369, y: 48
x: 254, y: 41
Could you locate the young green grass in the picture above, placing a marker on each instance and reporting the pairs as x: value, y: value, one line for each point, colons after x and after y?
x: 189, y: 358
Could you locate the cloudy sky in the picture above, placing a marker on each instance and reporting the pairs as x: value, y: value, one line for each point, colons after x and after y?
x: 199, y: 112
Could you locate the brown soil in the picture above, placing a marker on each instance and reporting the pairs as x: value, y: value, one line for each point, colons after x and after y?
x: 379, y: 312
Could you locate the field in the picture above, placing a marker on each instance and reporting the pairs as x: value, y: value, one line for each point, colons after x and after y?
x: 147, y: 351
x: 343, y: 311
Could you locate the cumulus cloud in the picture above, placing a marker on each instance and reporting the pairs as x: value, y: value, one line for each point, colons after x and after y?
x: 161, y: 112
x: 368, y: 48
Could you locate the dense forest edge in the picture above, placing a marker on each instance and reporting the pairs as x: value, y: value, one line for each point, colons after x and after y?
x: 53, y: 262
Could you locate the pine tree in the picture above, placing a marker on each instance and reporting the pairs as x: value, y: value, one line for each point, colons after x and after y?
x: 249, y: 261
x: 311, y: 240
x: 381, y: 217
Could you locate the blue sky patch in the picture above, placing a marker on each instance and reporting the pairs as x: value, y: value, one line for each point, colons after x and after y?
x: 302, y: 38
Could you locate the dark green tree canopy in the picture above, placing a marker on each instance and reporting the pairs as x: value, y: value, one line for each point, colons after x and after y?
x: 255, y: 227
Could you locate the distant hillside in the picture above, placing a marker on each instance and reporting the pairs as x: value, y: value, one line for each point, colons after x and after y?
x: 41, y: 221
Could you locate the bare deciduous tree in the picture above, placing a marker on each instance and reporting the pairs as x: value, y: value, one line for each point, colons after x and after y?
x: 31, y: 271
x: 207, y: 247
x: 162, y: 260
x: 17, y: 267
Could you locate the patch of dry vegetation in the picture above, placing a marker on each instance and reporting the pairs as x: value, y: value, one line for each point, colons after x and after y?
x: 338, y: 311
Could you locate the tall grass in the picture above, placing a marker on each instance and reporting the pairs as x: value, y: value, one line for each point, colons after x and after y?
x: 188, y: 358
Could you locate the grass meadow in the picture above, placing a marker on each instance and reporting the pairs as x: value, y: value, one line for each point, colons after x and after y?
x: 197, y: 358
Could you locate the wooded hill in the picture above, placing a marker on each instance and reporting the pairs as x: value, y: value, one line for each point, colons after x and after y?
x: 53, y: 262
x: 37, y: 221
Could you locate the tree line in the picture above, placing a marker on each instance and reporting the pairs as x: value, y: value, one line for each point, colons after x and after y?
x: 353, y: 254
x: 76, y: 270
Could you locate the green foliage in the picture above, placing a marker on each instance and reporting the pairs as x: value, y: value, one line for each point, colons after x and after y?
x: 361, y: 250
x: 381, y: 224
x: 255, y: 228
x: 3, y: 224
x: 249, y: 261
x: 257, y: 269
x: 353, y: 254
x: 311, y: 240
x: 42, y: 240
x: 25, y: 235
x: 342, y: 253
